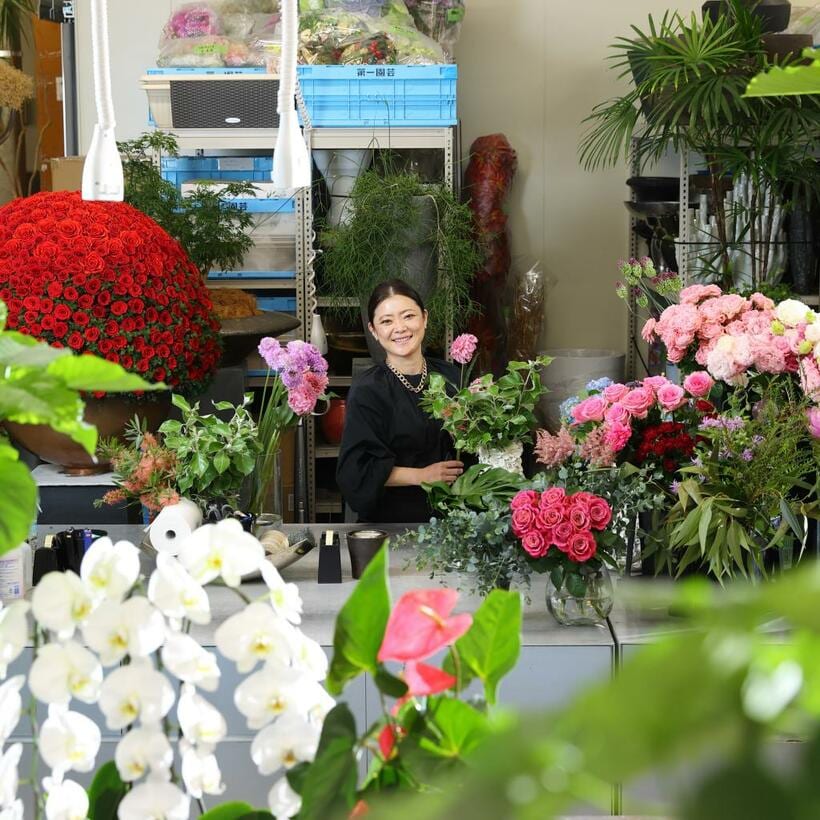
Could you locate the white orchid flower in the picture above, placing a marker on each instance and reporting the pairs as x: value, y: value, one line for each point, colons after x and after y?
x: 11, y: 705
x: 176, y: 594
x: 185, y: 659
x: 8, y: 774
x: 14, y: 811
x: 140, y: 750
x: 66, y: 800
x: 288, y: 741
x: 308, y: 655
x: 200, y: 773
x: 65, y: 670
x: 269, y: 693
x: 13, y: 632
x: 161, y: 801
x: 283, y: 802
x: 68, y: 740
x: 61, y: 602
x: 134, y: 627
x: 221, y: 550
x: 110, y: 570
x: 255, y: 634
x: 135, y: 691
x: 284, y: 597
x: 318, y: 703
x: 201, y: 722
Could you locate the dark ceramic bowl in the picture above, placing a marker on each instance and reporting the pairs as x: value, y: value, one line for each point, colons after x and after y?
x: 363, y: 545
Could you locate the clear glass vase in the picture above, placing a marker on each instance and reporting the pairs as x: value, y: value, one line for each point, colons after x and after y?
x: 588, y: 609
x: 266, y: 498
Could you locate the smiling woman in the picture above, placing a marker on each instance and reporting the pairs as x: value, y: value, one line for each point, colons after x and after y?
x: 390, y: 446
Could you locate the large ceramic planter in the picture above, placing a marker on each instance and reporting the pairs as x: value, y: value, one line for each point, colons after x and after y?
x: 340, y: 170
x: 110, y: 415
x: 569, y: 373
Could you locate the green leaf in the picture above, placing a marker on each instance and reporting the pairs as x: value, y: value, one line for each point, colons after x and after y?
x: 221, y: 462
x: 360, y: 626
x: 389, y: 684
x: 461, y: 728
x: 576, y: 585
x: 19, y: 350
x: 791, y: 518
x: 92, y: 373
x: 705, y: 521
x: 18, y: 499
x: 180, y: 403
x: 787, y: 81
x: 491, y: 646
x: 105, y: 793
x: 330, y: 783
x: 235, y: 810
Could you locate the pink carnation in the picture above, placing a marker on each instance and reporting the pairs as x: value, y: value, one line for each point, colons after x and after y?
x: 463, y: 348
x: 615, y: 392
x: 302, y: 400
x: 671, y: 397
x: 616, y: 435
x: 698, y: 384
x: 697, y: 293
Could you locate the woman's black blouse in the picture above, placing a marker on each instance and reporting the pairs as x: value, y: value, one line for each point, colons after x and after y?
x: 386, y: 428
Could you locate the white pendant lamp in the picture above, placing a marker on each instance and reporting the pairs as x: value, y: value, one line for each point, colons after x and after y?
x: 291, y: 163
x: 102, y: 171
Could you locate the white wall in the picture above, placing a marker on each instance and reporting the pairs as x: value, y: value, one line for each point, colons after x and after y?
x: 532, y: 69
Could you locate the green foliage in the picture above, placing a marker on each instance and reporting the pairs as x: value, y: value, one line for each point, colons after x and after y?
x: 474, y: 489
x: 38, y: 385
x: 105, y: 793
x: 383, y: 228
x: 360, y: 626
x: 14, y: 22
x: 494, y: 413
x: 802, y: 79
x: 213, y: 457
x: 213, y: 234
x: 235, y: 810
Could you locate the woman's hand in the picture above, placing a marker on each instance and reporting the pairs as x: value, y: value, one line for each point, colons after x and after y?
x: 447, y: 471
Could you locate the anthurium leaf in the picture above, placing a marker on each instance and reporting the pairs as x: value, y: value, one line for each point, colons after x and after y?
x: 787, y: 81
x: 93, y: 373
x: 490, y: 648
x: 235, y: 810
x: 360, y: 625
x: 19, y: 350
x: 389, y: 684
x: 105, y: 793
x: 329, y: 785
x: 461, y: 728
x: 18, y: 499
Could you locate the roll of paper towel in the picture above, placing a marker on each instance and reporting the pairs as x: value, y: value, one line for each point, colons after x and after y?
x: 173, y: 525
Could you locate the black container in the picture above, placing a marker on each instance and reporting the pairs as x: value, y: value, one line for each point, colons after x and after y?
x: 775, y: 14
x: 363, y: 546
x: 655, y: 189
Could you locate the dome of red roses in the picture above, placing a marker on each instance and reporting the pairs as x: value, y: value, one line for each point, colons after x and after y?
x: 104, y: 278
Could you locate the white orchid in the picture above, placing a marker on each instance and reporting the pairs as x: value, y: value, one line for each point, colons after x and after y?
x: 13, y: 632
x: 61, y: 671
x: 14, y: 811
x: 135, y: 691
x: 176, y: 594
x: 8, y: 774
x: 269, y: 693
x: 307, y: 654
x: 185, y: 659
x: 283, y: 802
x: 11, y: 705
x: 288, y: 741
x: 69, y: 740
x: 110, y: 570
x: 61, y: 602
x: 200, y: 773
x: 141, y: 750
x: 201, y: 722
x: 318, y: 703
x: 162, y: 801
x: 255, y: 634
x: 66, y: 800
x: 221, y: 550
x: 134, y: 627
x: 284, y: 597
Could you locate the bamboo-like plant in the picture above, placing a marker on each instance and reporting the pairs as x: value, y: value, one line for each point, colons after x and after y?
x: 689, y: 82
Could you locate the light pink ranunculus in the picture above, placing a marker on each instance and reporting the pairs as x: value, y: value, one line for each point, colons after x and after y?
x: 697, y: 293
x: 617, y: 413
x: 617, y: 435
x: 698, y: 384
x: 591, y: 409
x: 638, y: 401
x: 671, y: 397
x: 615, y: 392
x: 463, y: 348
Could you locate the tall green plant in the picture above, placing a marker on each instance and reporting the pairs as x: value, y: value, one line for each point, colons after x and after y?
x: 384, y: 224
x: 14, y: 18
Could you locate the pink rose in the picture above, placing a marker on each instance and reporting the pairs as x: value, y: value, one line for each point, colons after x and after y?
x: 582, y: 547
x: 549, y: 517
x: 523, y: 520
x: 535, y: 544
x: 579, y: 518
x: 698, y: 384
x: 617, y: 413
x: 600, y: 514
x: 655, y: 382
x: 553, y: 496
x: 638, y: 401
x: 525, y: 498
x: 561, y: 535
x: 463, y: 348
x: 617, y: 435
x: 591, y: 409
x: 671, y: 397
x: 615, y: 392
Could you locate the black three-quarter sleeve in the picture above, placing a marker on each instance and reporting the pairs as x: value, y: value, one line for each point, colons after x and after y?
x: 365, y: 458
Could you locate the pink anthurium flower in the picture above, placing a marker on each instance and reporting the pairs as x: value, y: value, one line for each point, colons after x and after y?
x: 420, y: 625
x: 422, y: 679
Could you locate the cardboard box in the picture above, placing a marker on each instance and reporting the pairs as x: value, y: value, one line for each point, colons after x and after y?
x: 66, y: 174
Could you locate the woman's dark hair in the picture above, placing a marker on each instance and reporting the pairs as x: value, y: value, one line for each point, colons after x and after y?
x: 391, y: 287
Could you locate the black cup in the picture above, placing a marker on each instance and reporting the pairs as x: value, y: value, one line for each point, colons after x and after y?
x: 363, y: 546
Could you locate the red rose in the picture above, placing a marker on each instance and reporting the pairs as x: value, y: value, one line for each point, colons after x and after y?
x: 143, y: 365
x: 582, y: 547
x: 103, y: 298
x: 75, y: 341
x: 60, y: 329
x: 525, y: 498
x: 119, y: 308
x: 561, y: 535
x: 160, y: 374
x: 85, y: 301
x: 113, y: 357
x: 62, y: 312
x: 46, y: 305
x: 80, y: 318
x: 31, y: 303
x: 120, y: 289
x: 93, y: 262
x: 600, y: 513
x: 129, y: 325
x: 535, y: 544
x: 99, y: 312
x: 579, y: 519
x: 550, y: 517
x: 48, y: 323
x: 105, y: 346
x: 91, y: 334
x: 163, y: 351
x: 127, y: 361
x: 553, y: 496
x: 523, y: 520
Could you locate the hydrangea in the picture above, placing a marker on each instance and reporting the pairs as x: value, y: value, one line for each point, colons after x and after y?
x: 565, y: 408
x: 598, y: 384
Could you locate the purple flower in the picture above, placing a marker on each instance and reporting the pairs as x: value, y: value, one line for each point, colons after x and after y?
x: 463, y: 348
x: 273, y: 353
x: 747, y: 455
x: 674, y: 487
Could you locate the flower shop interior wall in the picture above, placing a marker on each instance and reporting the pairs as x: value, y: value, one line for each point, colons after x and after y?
x: 531, y: 69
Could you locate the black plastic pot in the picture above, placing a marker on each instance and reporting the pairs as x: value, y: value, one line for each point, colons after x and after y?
x: 775, y: 14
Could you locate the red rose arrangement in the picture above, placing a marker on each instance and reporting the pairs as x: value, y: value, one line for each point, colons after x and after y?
x: 104, y: 278
x: 667, y: 444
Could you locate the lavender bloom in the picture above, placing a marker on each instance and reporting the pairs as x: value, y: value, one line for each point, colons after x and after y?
x: 674, y: 487
x: 758, y: 440
x: 273, y: 353
x: 747, y: 455
x: 732, y: 423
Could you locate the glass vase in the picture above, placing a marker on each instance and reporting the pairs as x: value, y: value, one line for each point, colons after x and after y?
x: 266, y: 498
x: 588, y: 609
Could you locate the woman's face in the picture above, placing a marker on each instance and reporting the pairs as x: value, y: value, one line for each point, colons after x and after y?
x: 398, y: 325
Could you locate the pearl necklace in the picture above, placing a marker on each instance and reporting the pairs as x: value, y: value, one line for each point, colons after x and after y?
x: 400, y: 376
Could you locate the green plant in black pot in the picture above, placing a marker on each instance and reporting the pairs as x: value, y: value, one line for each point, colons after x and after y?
x: 401, y: 227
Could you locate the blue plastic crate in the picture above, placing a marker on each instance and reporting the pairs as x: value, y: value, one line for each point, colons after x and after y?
x: 216, y: 275
x: 210, y: 165
x: 172, y: 70
x: 262, y: 205
x: 371, y: 96
x: 284, y: 304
